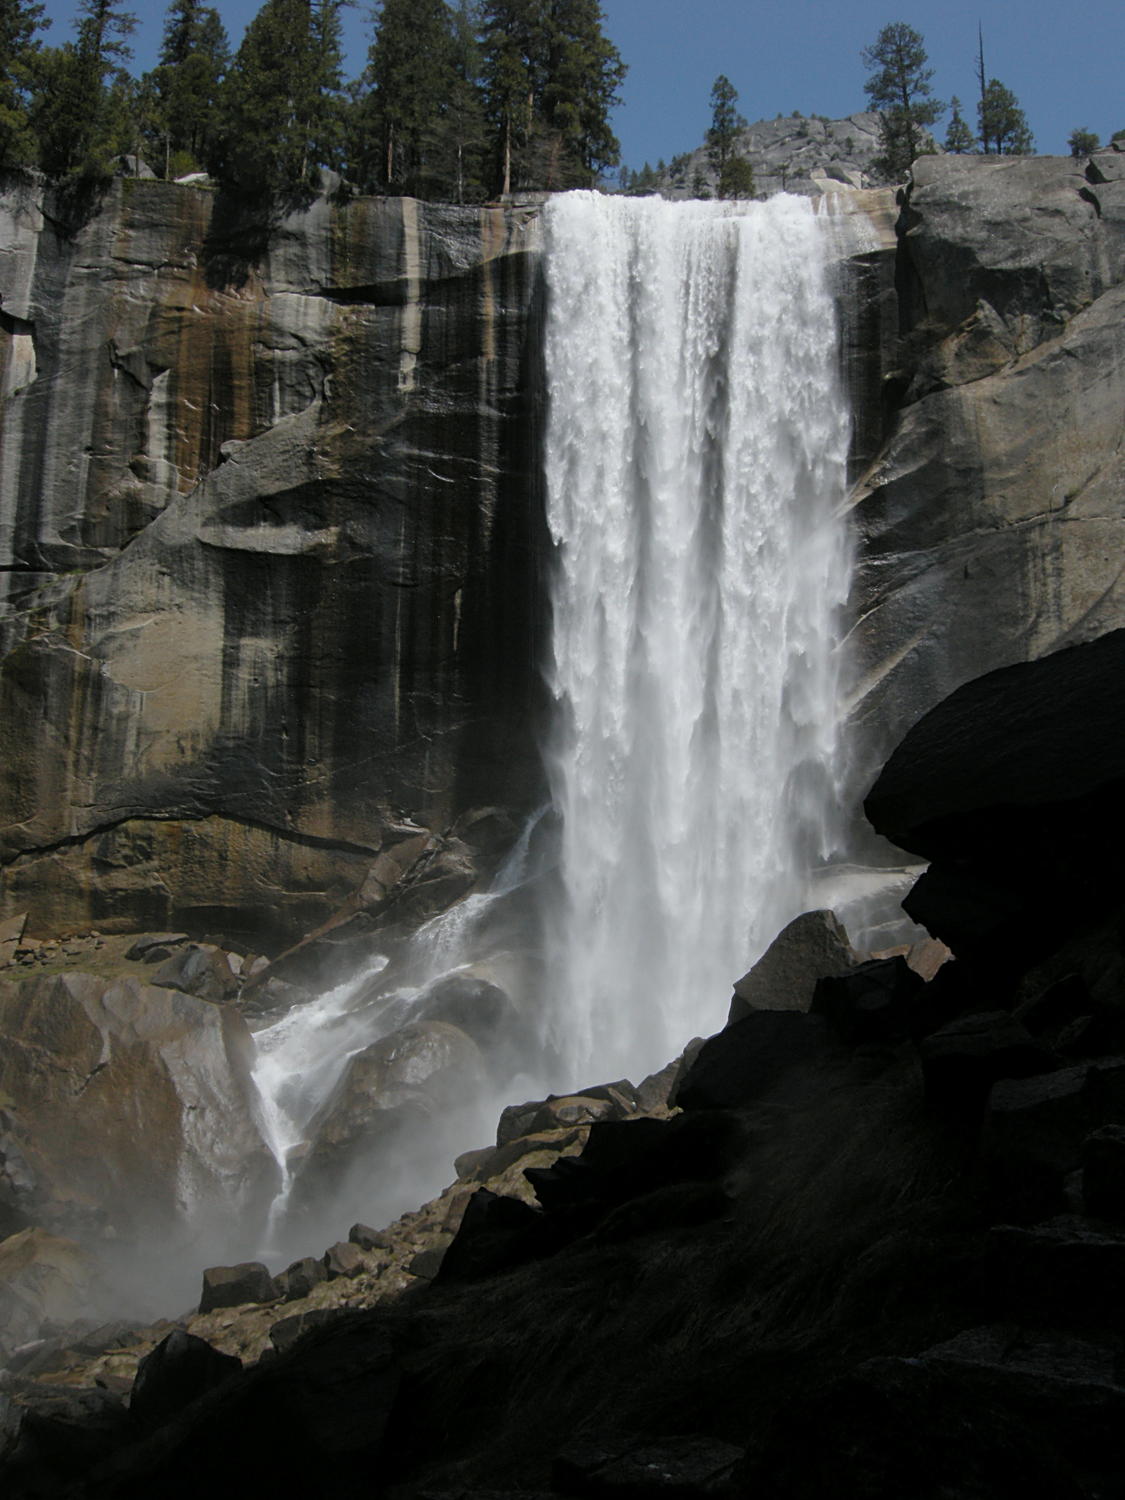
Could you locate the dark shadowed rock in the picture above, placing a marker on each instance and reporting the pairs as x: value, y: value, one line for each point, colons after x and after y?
x: 746, y: 1061
x: 962, y: 1061
x: 286, y: 1331
x: 302, y: 1276
x: 367, y: 1238
x: 1014, y: 788
x: 813, y: 946
x: 231, y: 1286
x: 1103, y: 1173
x: 179, y: 1369
x: 681, y: 1468
x: 344, y: 1259
x: 873, y: 1003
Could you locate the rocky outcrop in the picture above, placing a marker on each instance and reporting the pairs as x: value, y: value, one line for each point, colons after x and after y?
x: 268, y: 548
x: 990, y: 523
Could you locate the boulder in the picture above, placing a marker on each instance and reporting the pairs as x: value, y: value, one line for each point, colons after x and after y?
x: 875, y: 1002
x: 302, y: 1276
x: 1103, y: 1173
x: 179, y: 1369
x: 812, y: 947
x: 1033, y: 1137
x: 44, y: 1279
x: 141, y: 948
x: 747, y: 1061
x: 962, y: 1061
x: 233, y: 1286
x: 392, y: 1088
x: 130, y: 1099
x: 681, y: 1468
x: 199, y: 969
x: 367, y: 1238
x: 1014, y: 788
x: 344, y: 1259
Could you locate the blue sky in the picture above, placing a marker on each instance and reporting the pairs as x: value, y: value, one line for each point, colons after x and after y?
x: 1064, y: 65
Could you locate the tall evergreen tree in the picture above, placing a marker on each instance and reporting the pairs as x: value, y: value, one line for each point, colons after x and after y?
x: 1002, y: 123
x: 581, y: 74
x: 959, y: 139
x: 550, y: 80
x: 181, y: 96
x: 82, y: 113
x: 511, y: 45
x: 412, y: 68
x: 899, y: 88
x: 19, y: 21
x: 735, y: 175
x: 283, y: 100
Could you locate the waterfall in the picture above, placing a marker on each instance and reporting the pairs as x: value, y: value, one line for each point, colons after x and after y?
x: 695, y: 463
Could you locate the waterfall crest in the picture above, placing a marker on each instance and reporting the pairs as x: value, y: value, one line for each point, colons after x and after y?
x: 695, y: 462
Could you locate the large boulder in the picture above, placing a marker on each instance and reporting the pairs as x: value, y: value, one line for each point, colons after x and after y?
x: 388, y: 1097
x: 813, y: 946
x: 1014, y: 788
x: 43, y: 1279
x: 131, y: 1103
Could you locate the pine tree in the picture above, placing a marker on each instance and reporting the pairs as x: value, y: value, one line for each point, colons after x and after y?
x: 465, y: 129
x: 550, y: 80
x: 959, y: 139
x: 180, y: 98
x: 82, y: 113
x: 283, y: 111
x: 413, y: 73
x: 582, y: 72
x: 1002, y: 123
x: 899, y: 89
x: 734, y: 173
x: 19, y: 21
x: 511, y: 47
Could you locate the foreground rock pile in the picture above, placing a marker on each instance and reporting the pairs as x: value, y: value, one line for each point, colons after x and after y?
x: 867, y: 1241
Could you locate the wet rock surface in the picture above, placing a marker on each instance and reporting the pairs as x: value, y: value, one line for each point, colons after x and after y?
x: 289, y: 598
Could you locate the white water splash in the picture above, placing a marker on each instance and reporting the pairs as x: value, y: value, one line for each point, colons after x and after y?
x: 695, y: 460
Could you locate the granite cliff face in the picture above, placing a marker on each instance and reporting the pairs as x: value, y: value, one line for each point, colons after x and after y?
x: 991, y: 522
x: 268, y: 549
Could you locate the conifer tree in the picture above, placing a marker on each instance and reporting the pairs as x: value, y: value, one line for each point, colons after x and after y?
x: 550, y: 80
x: 283, y: 113
x: 511, y: 48
x: 582, y: 72
x: 734, y: 173
x: 82, y: 113
x: 959, y: 139
x: 899, y: 88
x: 412, y: 69
x: 19, y: 21
x: 1002, y: 123
x: 180, y: 98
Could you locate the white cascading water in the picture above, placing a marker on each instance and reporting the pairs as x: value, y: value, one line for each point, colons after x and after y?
x: 695, y: 458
